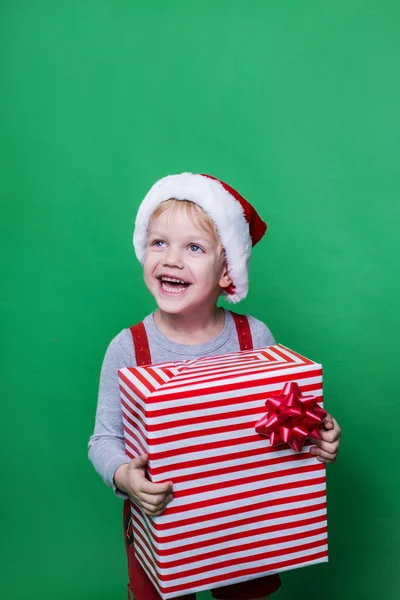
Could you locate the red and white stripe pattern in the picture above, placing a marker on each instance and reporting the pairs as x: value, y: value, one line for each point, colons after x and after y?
x: 241, y: 508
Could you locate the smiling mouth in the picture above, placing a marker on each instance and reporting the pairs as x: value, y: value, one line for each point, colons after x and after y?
x: 172, y: 285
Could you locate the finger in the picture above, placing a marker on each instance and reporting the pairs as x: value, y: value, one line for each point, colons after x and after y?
x: 161, y: 507
x: 326, y: 458
x: 140, y: 461
x: 330, y: 447
x: 165, y: 503
x: 148, y: 508
x: 335, y: 428
x: 329, y: 436
x: 328, y: 422
x: 333, y: 435
x: 153, y: 500
x: 320, y: 453
x: 148, y: 487
x: 157, y: 513
x: 153, y: 511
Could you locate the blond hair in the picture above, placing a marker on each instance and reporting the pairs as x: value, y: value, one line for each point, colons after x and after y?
x: 194, y: 212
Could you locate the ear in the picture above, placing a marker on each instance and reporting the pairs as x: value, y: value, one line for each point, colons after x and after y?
x: 225, y: 280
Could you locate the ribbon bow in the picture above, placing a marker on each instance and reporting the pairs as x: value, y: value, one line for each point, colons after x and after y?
x: 291, y: 417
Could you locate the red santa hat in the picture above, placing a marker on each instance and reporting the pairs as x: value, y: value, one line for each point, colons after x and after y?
x: 237, y: 222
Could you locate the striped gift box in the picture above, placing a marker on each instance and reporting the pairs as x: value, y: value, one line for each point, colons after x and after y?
x: 241, y: 508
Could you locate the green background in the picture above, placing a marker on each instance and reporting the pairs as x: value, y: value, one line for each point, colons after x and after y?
x: 296, y: 104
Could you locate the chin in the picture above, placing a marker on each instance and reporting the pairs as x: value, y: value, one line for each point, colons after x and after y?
x: 174, y: 308
x: 170, y: 310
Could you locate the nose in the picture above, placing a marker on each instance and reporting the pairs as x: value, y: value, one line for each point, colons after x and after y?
x: 173, y: 258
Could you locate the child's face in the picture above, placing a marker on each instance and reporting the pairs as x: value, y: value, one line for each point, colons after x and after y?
x: 179, y: 248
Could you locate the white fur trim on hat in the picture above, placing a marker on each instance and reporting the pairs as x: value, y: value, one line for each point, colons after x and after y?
x: 226, y: 212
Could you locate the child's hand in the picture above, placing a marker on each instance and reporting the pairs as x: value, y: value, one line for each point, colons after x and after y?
x: 326, y: 449
x: 151, y: 497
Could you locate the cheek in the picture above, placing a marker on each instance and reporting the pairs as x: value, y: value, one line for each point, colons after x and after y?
x: 208, y: 270
x: 149, y: 265
x: 198, y: 264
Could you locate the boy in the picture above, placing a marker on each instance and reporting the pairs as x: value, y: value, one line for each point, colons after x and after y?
x: 193, y: 236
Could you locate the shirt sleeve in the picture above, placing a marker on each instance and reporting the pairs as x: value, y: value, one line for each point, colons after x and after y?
x: 262, y: 336
x: 106, y: 445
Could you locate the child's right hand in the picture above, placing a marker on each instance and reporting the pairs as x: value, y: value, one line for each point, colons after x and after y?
x: 151, y: 497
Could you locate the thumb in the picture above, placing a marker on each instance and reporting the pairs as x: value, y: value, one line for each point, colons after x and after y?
x: 140, y: 462
x: 328, y: 422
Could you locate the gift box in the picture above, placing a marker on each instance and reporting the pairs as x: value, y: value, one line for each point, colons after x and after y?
x: 245, y: 504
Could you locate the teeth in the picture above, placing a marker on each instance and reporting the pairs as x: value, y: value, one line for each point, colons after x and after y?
x: 173, y: 280
x: 174, y: 290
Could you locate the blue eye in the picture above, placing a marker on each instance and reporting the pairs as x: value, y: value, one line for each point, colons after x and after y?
x: 195, y: 248
x: 158, y: 243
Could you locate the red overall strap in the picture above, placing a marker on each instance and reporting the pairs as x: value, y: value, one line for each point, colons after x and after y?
x: 141, y: 343
x: 243, y: 331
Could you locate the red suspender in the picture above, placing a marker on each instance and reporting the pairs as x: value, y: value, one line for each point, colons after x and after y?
x: 243, y: 331
x: 141, y: 342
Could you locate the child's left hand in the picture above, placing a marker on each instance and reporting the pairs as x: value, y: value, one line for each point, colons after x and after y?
x: 326, y: 449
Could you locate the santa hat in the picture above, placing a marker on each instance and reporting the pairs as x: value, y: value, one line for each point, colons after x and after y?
x: 238, y: 224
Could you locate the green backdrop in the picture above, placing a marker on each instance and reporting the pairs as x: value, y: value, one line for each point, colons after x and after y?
x: 296, y: 104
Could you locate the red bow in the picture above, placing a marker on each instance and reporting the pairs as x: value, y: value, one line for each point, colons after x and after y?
x: 291, y: 417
